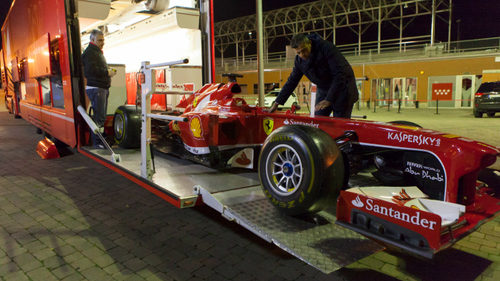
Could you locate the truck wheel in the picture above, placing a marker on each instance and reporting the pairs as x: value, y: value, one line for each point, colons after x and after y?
x: 478, y: 114
x: 301, y: 169
x: 127, y: 126
x: 491, y: 114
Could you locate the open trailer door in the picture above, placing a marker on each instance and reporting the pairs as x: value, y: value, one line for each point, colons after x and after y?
x: 42, y: 54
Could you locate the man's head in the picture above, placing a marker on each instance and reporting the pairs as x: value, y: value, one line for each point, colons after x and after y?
x: 302, y: 45
x: 97, y: 38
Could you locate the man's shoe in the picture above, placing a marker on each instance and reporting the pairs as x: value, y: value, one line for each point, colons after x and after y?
x: 99, y: 146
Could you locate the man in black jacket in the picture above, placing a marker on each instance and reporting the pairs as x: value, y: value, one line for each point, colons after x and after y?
x: 98, y: 79
x: 326, y: 67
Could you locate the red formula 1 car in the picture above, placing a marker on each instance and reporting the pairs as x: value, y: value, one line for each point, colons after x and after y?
x: 427, y: 193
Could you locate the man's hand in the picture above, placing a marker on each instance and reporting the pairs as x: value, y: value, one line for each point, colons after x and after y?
x: 111, y: 72
x: 322, y: 104
x: 272, y: 108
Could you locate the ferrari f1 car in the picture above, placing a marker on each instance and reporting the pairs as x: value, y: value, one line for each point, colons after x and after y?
x: 428, y: 194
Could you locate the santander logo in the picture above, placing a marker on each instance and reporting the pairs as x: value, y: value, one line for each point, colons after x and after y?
x: 357, y: 202
x: 397, y: 213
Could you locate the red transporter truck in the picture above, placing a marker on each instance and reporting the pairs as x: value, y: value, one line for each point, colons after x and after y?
x: 424, y: 193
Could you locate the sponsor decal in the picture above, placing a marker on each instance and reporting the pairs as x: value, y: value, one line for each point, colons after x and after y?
x: 195, y: 126
x: 268, y: 124
x: 197, y: 150
x: 188, y: 87
x: 403, y: 198
x: 243, y: 159
x: 295, y: 122
x: 175, y: 127
x: 165, y: 87
x: 413, y: 138
x: 415, y: 219
x: 442, y: 91
x: 357, y: 202
x: 280, y: 138
x: 195, y: 101
x: 425, y: 172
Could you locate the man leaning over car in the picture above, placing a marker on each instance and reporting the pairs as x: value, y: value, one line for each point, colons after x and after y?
x: 325, y: 66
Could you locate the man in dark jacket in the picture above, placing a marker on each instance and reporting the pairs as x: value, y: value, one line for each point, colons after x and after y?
x: 326, y: 67
x: 98, y: 79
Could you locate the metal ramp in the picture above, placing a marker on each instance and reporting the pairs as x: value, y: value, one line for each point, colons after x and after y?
x: 320, y: 243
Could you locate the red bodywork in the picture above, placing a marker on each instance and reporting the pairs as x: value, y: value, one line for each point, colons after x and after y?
x: 217, y: 119
x: 32, y: 30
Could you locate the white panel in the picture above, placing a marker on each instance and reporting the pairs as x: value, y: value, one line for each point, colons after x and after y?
x: 157, y: 39
x: 118, y: 89
x: 94, y: 9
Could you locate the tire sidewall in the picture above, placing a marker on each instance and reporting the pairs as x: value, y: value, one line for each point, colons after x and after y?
x: 130, y: 137
x: 301, y: 196
x: 319, y: 185
x: 119, y: 113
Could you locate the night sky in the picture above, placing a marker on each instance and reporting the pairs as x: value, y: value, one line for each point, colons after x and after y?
x: 478, y: 18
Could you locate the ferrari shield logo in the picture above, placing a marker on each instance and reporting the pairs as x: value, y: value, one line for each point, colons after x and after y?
x: 268, y: 125
x: 195, y: 102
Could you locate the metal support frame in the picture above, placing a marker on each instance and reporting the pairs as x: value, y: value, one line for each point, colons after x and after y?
x: 147, y: 90
x: 260, y: 51
x: 115, y: 158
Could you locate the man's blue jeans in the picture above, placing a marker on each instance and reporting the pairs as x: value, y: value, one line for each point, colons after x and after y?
x: 99, y: 101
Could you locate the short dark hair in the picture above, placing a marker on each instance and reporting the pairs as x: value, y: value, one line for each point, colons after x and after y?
x: 298, y: 40
x: 94, y: 33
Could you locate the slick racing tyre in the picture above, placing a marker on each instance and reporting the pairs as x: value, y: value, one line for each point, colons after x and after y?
x: 301, y: 169
x: 127, y: 126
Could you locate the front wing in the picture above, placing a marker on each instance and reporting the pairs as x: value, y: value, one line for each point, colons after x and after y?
x: 416, y: 231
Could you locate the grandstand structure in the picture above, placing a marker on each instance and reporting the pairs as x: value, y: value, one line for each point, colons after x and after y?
x: 399, y: 49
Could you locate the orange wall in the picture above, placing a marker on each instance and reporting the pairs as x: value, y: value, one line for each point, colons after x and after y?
x: 422, y: 70
x: 491, y: 76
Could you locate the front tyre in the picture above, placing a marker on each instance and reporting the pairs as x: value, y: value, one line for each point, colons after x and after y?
x: 301, y: 169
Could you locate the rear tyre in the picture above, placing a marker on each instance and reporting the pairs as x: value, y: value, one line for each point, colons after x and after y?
x: 301, y: 169
x: 478, y: 114
x: 491, y: 114
x: 127, y: 126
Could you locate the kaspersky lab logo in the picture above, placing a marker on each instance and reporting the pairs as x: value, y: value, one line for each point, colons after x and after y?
x: 397, y: 214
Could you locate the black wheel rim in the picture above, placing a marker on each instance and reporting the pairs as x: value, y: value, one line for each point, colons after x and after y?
x: 118, y: 126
